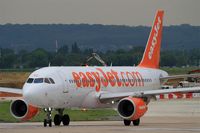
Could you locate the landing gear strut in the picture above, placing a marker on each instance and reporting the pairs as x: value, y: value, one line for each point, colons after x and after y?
x: 58, y: 118
x: 135, y: 122
x: 48, y: 119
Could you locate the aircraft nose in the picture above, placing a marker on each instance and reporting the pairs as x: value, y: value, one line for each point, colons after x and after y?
x: 31, y: 95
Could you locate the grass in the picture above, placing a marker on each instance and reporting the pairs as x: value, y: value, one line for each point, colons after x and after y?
x: 13, y: 79
x: 5, y: 115
x: 75, y: 115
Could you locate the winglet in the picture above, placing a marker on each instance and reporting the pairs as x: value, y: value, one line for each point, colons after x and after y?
x: 151, y: 57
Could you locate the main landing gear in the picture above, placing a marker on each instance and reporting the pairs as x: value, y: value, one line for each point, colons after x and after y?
x: 58, y: 118
x: 135, y: 122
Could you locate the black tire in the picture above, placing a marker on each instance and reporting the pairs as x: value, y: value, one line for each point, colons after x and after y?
x: 65, y: 120
x: 45, y: 122
x: 127, y: 122
x: 136, y: 122
x: 50, y: 123
x: 57, y: 120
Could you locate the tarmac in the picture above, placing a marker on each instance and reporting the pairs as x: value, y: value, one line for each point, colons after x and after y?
x: 148, y: 125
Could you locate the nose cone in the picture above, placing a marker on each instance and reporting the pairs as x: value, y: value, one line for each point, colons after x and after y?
x: 31, y: 94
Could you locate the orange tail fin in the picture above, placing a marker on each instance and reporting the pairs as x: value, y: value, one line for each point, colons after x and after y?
x: 151, y: 57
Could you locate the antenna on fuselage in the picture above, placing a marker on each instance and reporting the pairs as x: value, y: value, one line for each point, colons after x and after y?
x: 49, y: 64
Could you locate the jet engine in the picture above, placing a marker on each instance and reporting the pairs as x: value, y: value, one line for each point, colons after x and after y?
x: 131, y: 108
x: 21, y: 110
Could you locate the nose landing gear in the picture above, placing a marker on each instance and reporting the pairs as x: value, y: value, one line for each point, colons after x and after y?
x: 48, y: 119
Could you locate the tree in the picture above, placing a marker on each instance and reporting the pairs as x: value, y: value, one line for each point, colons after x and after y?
x: 75, y: 48
x: 63, y: 50
x: 7, y: 59
x: 58, y: 60
x: 168, y: 59
x: 38, y: 58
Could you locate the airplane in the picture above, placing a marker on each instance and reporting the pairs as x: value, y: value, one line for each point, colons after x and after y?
x: 128, y: 88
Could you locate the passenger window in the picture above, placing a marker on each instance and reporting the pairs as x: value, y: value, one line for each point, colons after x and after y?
x: 46, y: 80
x: 51, y: 80
x: 38, y: 80
x: 30, y: 80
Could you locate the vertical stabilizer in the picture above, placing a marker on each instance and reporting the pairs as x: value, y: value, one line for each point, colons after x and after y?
x: 151, y: 56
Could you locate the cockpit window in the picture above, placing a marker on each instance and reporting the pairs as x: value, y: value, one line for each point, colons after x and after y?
x: 46, y: 80
x: 30, y: 80
x: 38, y: 80
x: 51, y: 80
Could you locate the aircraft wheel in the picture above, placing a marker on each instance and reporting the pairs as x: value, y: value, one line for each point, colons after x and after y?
x: 136, y: 122
x: 57, y: 120
x: 50, y: 123
x: 127, y: 122
x: 65, y: 120
x: 45, y: 122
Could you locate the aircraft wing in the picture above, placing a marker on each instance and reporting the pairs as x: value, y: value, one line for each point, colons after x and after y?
x: 181, y: 76
x: 11, y: 90
x: 106, y: 97
x: 10, y: 93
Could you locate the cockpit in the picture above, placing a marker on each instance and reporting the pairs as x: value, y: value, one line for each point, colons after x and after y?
x: 40, y: 80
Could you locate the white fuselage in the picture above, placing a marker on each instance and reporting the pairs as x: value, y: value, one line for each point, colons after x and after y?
x: 81, y: 86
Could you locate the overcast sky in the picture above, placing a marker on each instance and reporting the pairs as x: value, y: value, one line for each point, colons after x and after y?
x: 115, y: 12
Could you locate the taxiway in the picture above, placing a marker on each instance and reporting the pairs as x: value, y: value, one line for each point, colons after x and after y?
x: 148, y: 125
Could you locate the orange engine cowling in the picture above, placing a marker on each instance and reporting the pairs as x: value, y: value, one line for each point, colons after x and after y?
x: 131, y: 108
x: 21, y: 110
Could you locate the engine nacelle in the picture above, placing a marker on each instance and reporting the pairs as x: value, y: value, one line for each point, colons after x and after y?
x: 21, y: 110
x: 131, y: 108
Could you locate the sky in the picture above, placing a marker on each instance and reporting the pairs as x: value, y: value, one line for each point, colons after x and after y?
x: 108, y: 12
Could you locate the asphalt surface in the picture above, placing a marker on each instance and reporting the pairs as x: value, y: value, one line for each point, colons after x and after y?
x: 148, y: 125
